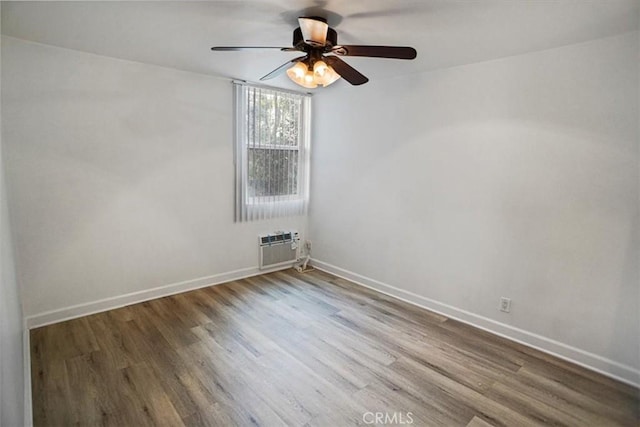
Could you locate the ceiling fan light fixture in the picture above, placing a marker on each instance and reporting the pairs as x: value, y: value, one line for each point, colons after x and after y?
x: 310, y: 77
x: 302, y: 75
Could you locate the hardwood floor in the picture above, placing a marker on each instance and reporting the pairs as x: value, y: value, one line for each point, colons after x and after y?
x: 303, y: 349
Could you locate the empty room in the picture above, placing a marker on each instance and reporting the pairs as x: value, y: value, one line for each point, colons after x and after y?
x: 320, y: 213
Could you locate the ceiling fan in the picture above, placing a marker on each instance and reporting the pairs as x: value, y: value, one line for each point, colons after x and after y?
x: 321, y: 64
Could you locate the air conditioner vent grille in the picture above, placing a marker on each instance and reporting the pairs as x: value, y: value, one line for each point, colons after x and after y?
x: 278, y: 249
x: 275, y: 238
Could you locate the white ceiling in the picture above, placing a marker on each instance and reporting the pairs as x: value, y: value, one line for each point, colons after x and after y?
x: 446, y: 33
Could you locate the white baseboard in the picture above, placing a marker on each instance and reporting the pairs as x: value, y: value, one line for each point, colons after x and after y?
x: 92, y: 307
x: 26, y: 356
x: 594, y: 362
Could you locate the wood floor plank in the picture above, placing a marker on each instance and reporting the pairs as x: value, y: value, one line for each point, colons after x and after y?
x: 583, y: 406
x: 316, y: 394
x: 112, y: 341
x: 439, y: 384
x: 185, y: 391
x: 93, y: 379
x: 303, y: 350
x: 338, y: 369
x: 141, y: 386
x: 478, y: 422
x: 237, y: 397
x: 525, y: 404
x: 52, y: 401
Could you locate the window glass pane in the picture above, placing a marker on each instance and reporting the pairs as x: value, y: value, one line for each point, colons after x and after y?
x: 272, y: 172
x: 273, y: 118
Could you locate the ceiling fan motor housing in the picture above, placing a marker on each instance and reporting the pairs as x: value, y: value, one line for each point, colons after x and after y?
x: 298, y: 40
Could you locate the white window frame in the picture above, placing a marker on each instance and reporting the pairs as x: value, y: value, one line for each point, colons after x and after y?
x: 264, y: 207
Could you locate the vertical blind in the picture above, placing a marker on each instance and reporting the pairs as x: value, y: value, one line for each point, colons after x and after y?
x: 272, y: 135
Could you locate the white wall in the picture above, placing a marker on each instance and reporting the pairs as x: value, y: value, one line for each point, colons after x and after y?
x: 11, y: 333
x: 516, y: 177
x: 120, y: 176
x: 11, y: 357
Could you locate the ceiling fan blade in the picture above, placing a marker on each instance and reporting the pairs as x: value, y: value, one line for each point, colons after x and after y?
x: 281, y: 68
x: 395, y: 52
x: 237, y: 48
x: 314, y: 31
x: 346, y: 71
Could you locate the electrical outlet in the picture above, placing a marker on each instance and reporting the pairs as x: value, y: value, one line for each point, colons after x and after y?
x: 505, y: 305
x: 307, y: 245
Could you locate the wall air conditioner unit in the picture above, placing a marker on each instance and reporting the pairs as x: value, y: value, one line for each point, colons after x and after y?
x: 278, y: 249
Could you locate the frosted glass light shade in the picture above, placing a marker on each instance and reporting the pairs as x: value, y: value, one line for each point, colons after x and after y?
x: 329, y: 77
x: 319, y: 70
x: 297, y: 72
x: 300, y: 74
x: 322, y: 74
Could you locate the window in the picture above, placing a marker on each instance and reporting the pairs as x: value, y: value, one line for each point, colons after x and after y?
x: 271, y: 152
